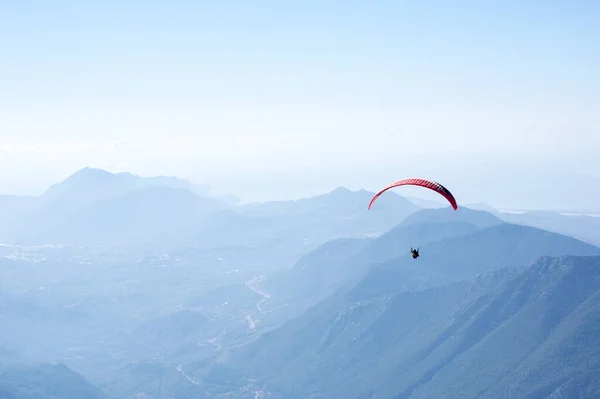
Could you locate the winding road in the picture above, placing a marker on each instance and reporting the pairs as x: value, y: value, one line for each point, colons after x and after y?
x: 187, y: 377
x: 252, y: 284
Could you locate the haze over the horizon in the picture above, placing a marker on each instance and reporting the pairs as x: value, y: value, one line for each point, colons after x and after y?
x: 267, y: 100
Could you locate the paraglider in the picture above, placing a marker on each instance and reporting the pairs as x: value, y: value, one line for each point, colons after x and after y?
x: 415, y: 181
x: 415, y: 253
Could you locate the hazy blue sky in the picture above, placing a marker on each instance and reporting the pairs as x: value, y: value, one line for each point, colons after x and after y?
x: 499, y: 100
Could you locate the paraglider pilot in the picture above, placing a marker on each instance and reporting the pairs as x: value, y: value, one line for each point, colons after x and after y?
x: 415, y: 253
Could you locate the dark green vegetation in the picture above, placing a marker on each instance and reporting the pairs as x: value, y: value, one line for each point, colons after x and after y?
x: 164, y: 291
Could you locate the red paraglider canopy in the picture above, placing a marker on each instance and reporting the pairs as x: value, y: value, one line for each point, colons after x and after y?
x: 415, y: 181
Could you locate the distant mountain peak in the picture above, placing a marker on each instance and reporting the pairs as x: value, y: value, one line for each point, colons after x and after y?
x: 81, y: 181
x: 89, y: 169
x: 90, y: 173
x: 476, y: 217
x: 89, y: 178
x: 341, y: 190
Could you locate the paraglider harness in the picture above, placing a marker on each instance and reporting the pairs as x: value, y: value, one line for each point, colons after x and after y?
x: 415, y: 253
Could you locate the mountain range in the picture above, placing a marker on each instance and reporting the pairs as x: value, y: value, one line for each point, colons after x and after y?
x: 158, y: 289
x: 94, y: 207
x: 524, y: 331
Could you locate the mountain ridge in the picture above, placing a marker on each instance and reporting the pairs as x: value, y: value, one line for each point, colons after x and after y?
x: 376, y: 335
